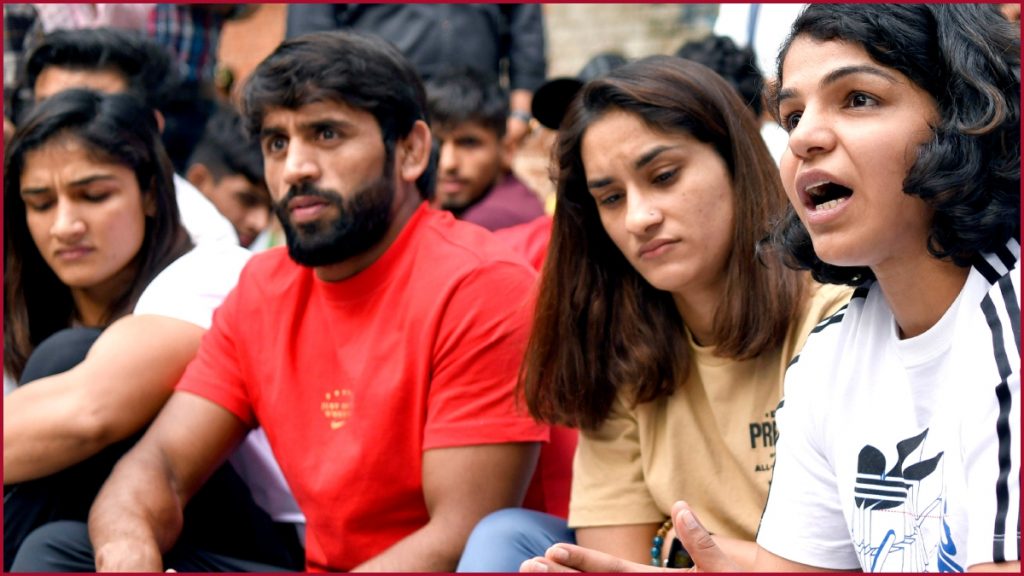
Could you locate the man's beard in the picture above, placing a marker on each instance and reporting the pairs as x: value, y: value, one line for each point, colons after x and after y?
x: 362, y: 222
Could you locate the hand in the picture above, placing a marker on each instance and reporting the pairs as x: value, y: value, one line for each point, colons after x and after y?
x: 570, y: 558
x: 516, y: 130
x: 706, y: 554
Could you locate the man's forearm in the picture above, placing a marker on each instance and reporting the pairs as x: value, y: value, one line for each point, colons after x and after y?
x: 136, y: 517
x: 429, y: 549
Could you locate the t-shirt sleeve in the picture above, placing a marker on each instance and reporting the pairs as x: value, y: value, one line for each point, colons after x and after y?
x: 194, y: 285
x: 216, y: 373
x: 481, y: 338
x: 988, y: 367
x: 608, y: 487
x: 803, y: 520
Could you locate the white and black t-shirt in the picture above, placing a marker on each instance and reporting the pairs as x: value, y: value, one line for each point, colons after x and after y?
x: 904, y: 455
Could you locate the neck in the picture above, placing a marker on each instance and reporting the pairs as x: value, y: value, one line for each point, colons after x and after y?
x: 920, y: 292
x: 698, y: 308
x: 400, y: 215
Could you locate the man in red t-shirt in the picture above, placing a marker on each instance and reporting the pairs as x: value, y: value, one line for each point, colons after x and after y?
x: 379, y: 353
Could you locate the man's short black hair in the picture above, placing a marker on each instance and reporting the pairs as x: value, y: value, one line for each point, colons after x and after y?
x: 457, y: 95
x: 227, y: 149
x: 362, y: 71
x: 146, y: 65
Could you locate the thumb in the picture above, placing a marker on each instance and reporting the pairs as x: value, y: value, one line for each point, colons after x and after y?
x: 706, y: 555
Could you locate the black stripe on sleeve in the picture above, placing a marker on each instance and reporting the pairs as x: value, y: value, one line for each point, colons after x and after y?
x: 1012, y: 307
x: 1006, y: 256
x: 833, y: 319
x: 986, y: 270
x: 1002, y: 429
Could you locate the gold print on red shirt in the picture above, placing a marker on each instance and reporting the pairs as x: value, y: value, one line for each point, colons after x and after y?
x: 337, y: 407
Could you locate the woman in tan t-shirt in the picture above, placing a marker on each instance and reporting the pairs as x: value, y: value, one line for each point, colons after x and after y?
x: 662, y: 332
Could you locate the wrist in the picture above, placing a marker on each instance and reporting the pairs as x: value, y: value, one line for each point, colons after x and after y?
x: 521, y: 115
x: 128, y: 556
x: 676, y: 557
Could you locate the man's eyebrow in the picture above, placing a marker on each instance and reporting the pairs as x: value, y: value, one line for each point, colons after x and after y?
x: 267, y: 131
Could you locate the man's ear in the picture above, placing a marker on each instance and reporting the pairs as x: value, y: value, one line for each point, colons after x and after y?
x: 159, y: 121
x: 200, y: 177
x: 412, y: 153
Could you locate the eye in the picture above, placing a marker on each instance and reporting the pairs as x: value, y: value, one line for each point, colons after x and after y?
x: 665, y: 177
x: 610, y: 199
x: 468, y: 142
x: 274, y: 143
x: 861, y: 100
x: 328, y: 133
x: 95, y: 197
x: 38, y: 205
x: 790, y: 121
x: 249, y: 200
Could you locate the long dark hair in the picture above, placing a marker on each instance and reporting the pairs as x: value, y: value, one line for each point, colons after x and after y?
x: 600, y: 328
x: 967, y: 57
x: 115, y: 128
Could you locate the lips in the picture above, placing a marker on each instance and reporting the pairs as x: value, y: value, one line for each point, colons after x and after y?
x: 306, y: 208
x: 655, y: 248
x: 450, y: 186
x: 300, y: 202
x: 820, y: 191
x: 72, y: 253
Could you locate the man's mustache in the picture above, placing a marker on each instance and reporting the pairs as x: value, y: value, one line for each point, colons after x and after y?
x: 306, y: 189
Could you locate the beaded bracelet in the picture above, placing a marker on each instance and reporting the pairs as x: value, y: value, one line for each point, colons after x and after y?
x: 677, y: 556
x: 659, y: 541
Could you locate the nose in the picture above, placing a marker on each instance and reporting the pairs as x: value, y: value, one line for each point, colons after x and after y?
x: 257, y: 219
x: 447, y: 161
x: 642, y: 214
x: 68, y: 226
x: 300, y: 164
x: 812, y: 135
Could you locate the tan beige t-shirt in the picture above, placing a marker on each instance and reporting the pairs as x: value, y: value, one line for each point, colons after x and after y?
x: 712, y: 442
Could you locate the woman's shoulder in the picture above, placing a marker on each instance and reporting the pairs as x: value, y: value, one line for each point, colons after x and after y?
x: 825, y: 304
x: 196, y: 283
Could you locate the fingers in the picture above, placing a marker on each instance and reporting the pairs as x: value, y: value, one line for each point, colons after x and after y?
x: 707, y: 556
x: 541, y: 564
x: 587, y: 560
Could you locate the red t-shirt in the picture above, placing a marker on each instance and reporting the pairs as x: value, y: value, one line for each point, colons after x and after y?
x: 552, y: 481
x: 353, y: 380
x: 529, y: 239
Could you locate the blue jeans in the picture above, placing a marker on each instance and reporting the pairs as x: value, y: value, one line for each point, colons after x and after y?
x: 506, y: 538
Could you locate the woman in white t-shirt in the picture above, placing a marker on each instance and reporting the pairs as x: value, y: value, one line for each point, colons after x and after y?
x: 899, y: 435
x: 91, y: 229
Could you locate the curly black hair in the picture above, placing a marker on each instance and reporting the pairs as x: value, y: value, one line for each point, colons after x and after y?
x: 967, y: 57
